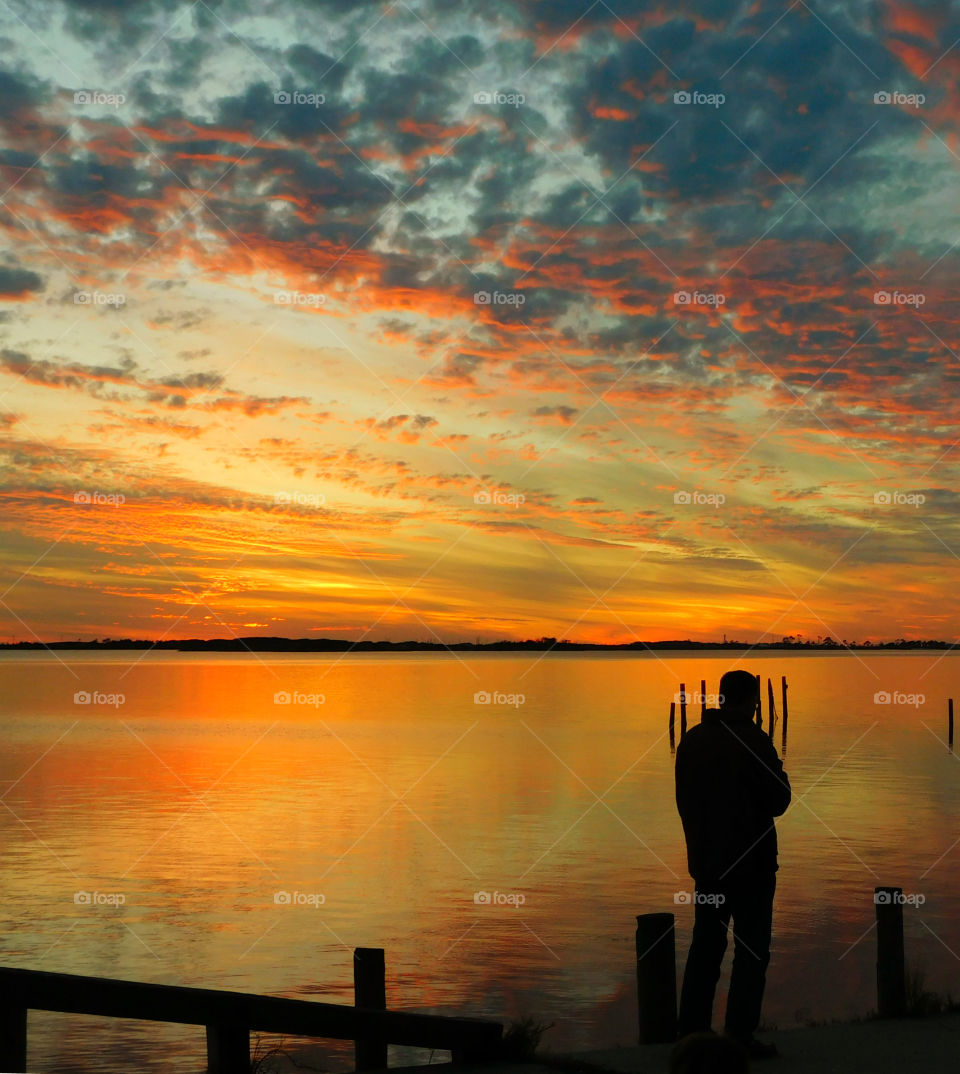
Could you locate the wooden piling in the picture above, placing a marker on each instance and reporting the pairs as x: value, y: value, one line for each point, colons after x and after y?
x: 770, y: 707
x: 703, y: 698
x: 370, y: 991
x: 683, y: 709
x: 891, y: 975
x: 656, y: 978
x: 783, y: 735
x: 950, y: 721
x: 673, y: 710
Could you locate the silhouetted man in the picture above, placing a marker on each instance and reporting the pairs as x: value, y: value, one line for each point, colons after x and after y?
x: 730, y: 786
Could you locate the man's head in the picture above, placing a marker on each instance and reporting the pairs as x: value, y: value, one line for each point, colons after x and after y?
x: 738, y: 693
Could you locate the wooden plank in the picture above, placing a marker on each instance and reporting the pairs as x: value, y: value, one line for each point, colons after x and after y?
x: 105, y: 997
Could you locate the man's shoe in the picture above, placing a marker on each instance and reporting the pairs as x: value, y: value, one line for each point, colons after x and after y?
x: 682, y: 1033
x: 759, y: 1049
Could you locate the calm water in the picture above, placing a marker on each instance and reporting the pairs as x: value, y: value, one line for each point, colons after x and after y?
x: 186, y: 807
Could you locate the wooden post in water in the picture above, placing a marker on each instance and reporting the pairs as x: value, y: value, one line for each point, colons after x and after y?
x: 656, y: 978
x: 683, y: 709
x: 950, y: 722
x: 770, y: 709
x: 891, y: 975
x: 703, y: 698
x: 759, y: 705
x: 673, y: 710
x: 783, y: 694
x: 370, y: 990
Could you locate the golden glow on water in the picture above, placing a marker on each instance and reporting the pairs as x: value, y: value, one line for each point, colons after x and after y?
x: 218, y: 782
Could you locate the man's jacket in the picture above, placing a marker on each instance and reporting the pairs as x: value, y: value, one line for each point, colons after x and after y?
x: 730, y: 785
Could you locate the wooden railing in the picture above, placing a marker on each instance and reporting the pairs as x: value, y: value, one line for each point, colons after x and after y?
x: 229, y: 1018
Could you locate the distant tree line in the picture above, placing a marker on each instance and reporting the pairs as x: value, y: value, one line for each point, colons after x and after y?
x: 338, y: 645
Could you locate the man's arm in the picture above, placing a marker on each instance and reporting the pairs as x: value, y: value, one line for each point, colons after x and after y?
x: 772, y: 780
x: 686, y: 774
x: 686, y: 806
x: 680, y: 780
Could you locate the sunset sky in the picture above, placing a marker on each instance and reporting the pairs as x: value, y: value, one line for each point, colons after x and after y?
x: 606, y: 321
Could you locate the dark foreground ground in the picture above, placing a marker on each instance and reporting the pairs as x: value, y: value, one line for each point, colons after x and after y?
x: 908, y: 1045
